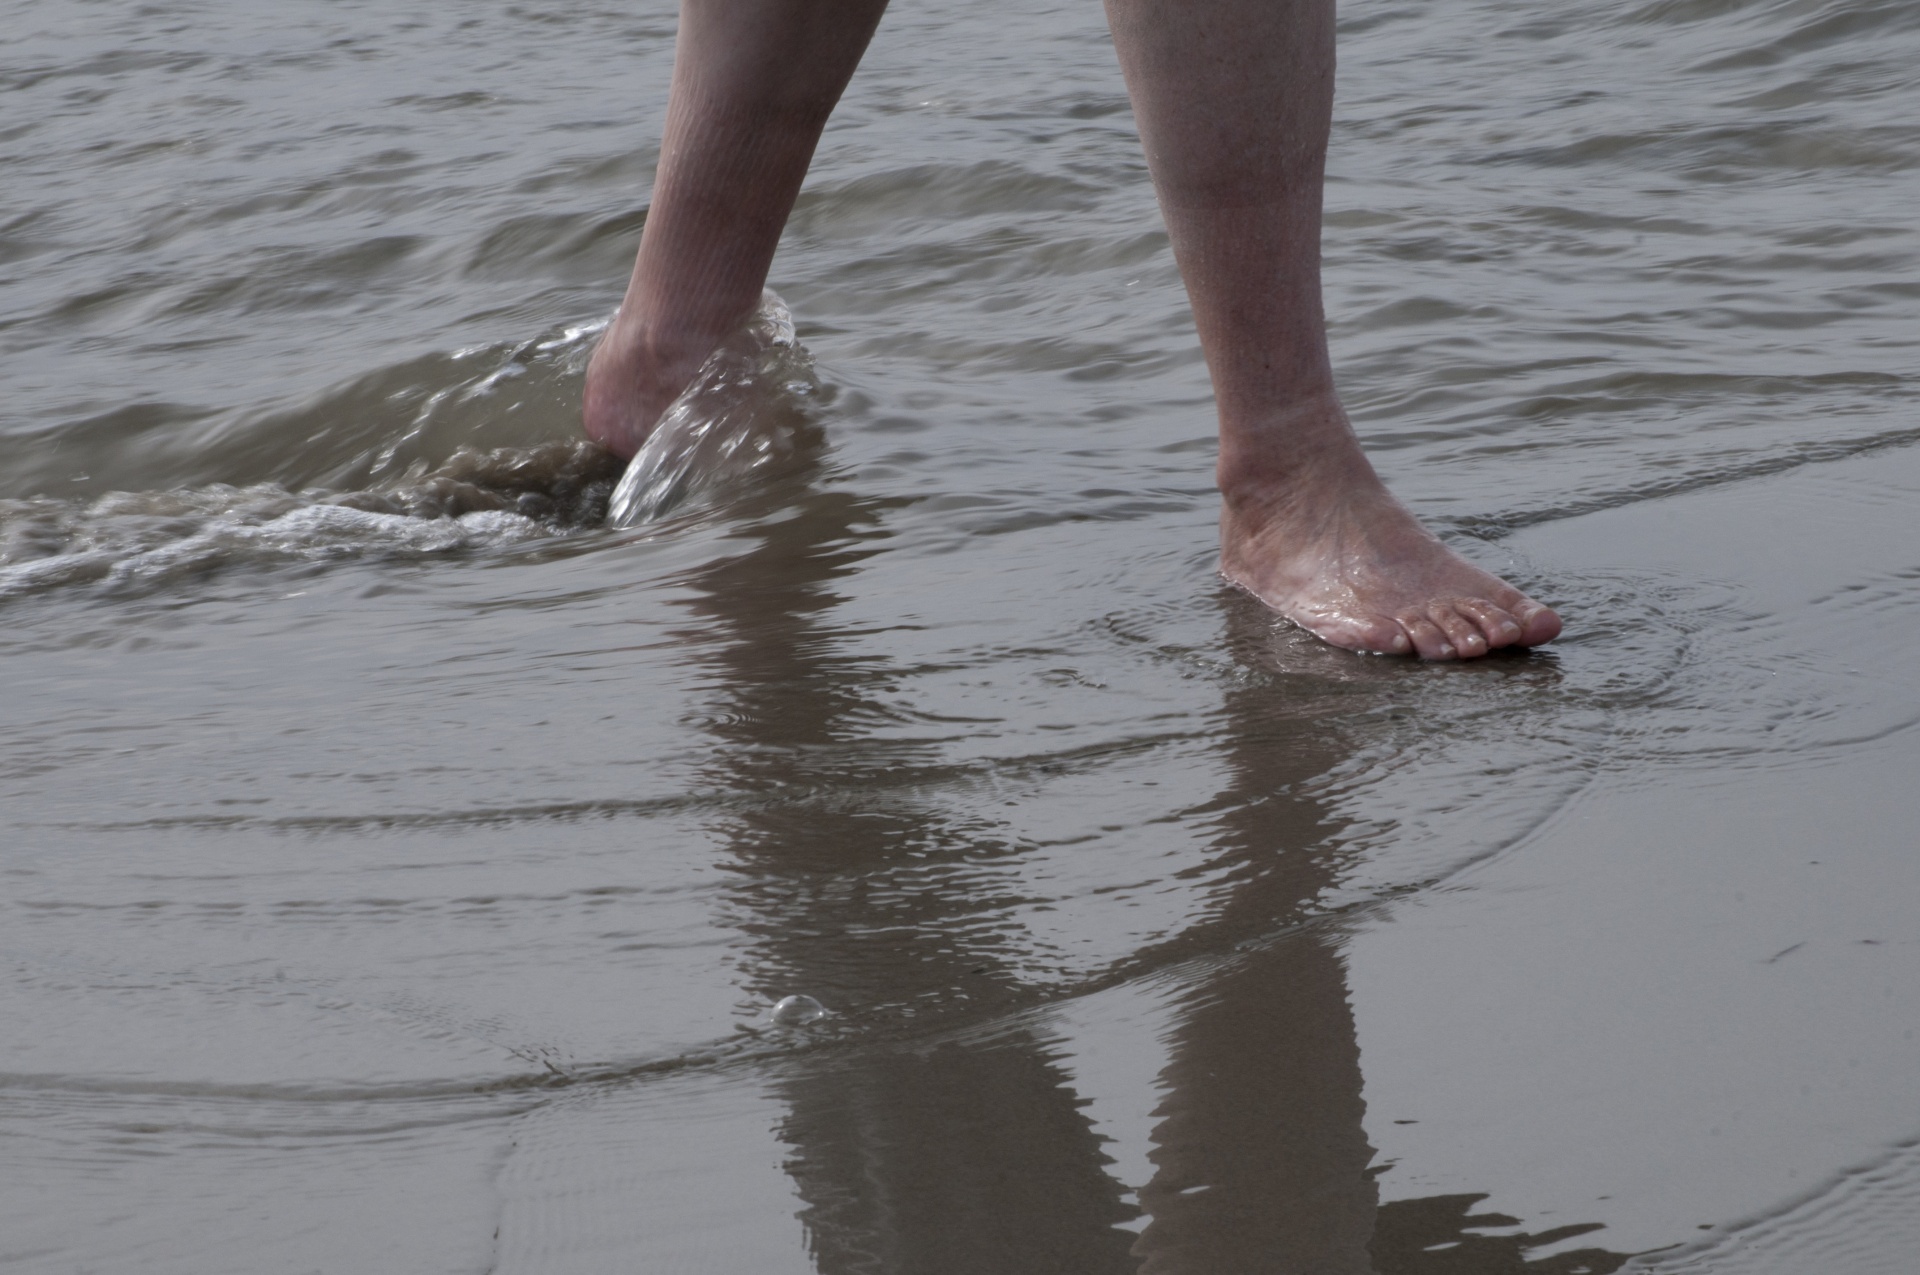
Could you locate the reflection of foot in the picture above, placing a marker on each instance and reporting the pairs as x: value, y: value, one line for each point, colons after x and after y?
x: 1323, y: 542
x: 631, y: 379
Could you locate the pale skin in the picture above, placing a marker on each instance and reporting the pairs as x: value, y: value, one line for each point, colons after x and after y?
x: 1233, y: 99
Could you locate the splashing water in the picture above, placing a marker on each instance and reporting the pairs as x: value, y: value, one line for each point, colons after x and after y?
x: 151, y: 539
x: 387, y: 488
x: 744, y: 415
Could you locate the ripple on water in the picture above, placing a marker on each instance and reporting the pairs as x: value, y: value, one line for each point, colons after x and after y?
x: 1862, y: 1222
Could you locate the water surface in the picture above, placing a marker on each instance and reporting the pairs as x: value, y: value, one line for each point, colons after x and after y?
x: 402, y: 862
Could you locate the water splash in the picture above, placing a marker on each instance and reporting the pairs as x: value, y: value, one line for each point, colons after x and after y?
x: 386, y: 472
x: 145, y: 540
x: 745, y: 416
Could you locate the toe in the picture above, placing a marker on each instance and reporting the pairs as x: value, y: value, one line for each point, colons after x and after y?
x: 1496, y: 623
x: 1379, y: 637
x: 1430, y: 642
x: 1537, y: 623
x: 1461, y: 631
x: 1385, y: 637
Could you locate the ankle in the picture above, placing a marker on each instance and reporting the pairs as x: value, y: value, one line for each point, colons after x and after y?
x: 656, y: 350
x: 1301, y: 451
x: 632, y: 377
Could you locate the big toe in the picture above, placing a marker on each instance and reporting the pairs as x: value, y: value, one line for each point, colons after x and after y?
x: 1537, y: 623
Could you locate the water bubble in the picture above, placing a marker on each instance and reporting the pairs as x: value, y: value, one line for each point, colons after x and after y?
x: 797, y: 1011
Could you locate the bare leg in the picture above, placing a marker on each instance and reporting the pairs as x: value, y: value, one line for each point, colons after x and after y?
x: 753, y: 84
x: 1234, y: 99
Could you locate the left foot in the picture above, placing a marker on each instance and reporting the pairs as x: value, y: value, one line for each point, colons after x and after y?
x: 631, y: 379
x: 1324, y: 543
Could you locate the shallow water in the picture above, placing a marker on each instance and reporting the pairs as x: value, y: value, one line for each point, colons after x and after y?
x: 403, y: 865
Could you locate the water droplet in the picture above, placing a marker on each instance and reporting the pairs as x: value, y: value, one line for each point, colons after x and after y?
x: 797, y: 1011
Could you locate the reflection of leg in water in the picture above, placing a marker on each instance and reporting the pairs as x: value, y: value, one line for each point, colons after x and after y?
x: 1442, y: 1235
x: 1234, y: 98
x: 753, y: 84
x: 962, y: 1160
x: 917, y: 1148
x: 957, y: 1158
x: 1261, y: 1154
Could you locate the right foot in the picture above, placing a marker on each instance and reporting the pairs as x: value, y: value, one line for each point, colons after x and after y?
x: 1326, y: 544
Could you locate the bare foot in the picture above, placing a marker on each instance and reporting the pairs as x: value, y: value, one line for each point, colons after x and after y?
x: 1324, y: 543
x: 631, y: 379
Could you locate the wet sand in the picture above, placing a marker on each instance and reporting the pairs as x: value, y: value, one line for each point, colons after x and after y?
x: 401, y: 863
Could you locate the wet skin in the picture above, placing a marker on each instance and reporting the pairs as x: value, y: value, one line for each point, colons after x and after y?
x: 1311, y: 531
x: 1234, y: 102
